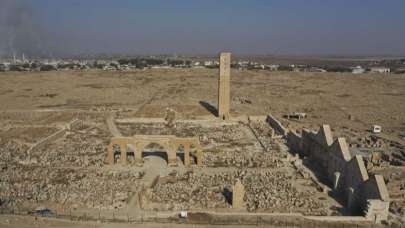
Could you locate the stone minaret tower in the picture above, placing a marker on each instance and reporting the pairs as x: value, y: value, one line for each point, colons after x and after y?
x: 224, y: 86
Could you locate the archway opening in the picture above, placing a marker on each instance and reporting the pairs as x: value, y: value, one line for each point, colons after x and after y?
x: 180, y: 153
x: 154, y: 149
x: 193, y: 154
x: 116, y: 153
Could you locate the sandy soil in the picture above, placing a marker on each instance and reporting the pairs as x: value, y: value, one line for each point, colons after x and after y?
x: 326, y: 97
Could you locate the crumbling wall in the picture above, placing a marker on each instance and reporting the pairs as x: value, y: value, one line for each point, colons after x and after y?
x: 74, y: 124
x: 276, y: 125
x: 347, y: 175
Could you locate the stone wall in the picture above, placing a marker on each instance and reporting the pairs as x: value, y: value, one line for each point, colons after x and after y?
x: 277, y: 220
x: 346, y: 174
x: 276, y: 125
x: 72, y: 125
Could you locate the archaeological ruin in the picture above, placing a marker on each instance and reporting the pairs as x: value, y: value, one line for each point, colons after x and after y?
x: 169, y: 142
x: 224, y: 86
x: 123, y: 165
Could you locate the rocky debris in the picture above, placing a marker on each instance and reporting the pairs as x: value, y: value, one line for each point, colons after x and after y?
x: 79, y: 148
x: 396, y: 187
x: 64, y: 172
x: 217, y: 134
x: 241, y: 100
x: 70, y: 188
x: 246, y: 160
x: 263, y: 132
x: 265, y: 191
x: 397, y: 157
x: 274, y: 192
x: 12, y: 152
x: 170, y: 117
x: 368, y: 141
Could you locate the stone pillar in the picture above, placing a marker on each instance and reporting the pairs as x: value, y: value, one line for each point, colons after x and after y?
x: 110, y: 154
x: 138, y: 153
x: 186, y: 155
x: 224, y: 86
x: 171, y: 155
x: 238, y: 193
x: 199, y: 156
x: 123, y: 149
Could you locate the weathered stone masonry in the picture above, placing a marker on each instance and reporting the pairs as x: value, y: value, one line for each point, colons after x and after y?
x: 224, y: 89
x: 169, y: 142
x: 347, y: 174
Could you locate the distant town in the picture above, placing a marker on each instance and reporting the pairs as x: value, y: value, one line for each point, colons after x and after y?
x: 384, y: 66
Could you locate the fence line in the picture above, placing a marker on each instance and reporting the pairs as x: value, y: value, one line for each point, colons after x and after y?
x: 126, y: 218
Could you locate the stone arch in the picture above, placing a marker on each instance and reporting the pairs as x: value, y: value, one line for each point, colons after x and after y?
x: 170, y: 144
x: 192, y: 149
x: 161, y: 152
x: 122, y: 144
x: 141, y: 144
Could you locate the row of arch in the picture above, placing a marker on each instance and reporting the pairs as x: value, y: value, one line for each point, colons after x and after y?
x: 170, y: 144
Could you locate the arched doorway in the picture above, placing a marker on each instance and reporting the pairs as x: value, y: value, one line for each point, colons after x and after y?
x: 154, y: 149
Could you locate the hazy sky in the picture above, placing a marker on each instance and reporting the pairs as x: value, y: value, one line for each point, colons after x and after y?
x: 291, y: 27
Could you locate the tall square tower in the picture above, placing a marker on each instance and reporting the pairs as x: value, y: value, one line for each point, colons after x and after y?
x: 224, y: 85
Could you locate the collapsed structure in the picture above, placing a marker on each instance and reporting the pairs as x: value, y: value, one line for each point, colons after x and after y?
x: 347, y: 174
x: 241, y: 165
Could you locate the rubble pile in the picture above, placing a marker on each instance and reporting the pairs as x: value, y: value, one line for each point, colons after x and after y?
x: 211, y: 134
x: 261, y: 128
x: 190, y: 191
x: 63, y: 172
x: 80, y: 148
x: 69, y: 188
x: 397, y: 156
x: 263, y: 132
x: 368, y: 141
x: 241, y: 100
x: 265, y: 191
x: 396, y: 188
x: 12, y: 152
x: 274, y: 192
x: 246, y: 160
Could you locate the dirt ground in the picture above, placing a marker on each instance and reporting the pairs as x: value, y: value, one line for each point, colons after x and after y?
x: 325, y: 97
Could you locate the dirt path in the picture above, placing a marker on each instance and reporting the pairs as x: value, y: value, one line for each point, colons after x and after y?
x: 112, y: 127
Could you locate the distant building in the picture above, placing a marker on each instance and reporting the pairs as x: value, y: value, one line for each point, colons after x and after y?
x: 358, y: 70
x: 316, y: 69
x: 380, y: 70
x: 208, y: 63
x: 273, y: 67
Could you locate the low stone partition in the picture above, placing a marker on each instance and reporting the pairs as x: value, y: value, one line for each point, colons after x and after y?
x: 276, y: 125
x: 364, y: 194
x: 277, y: 220
x: 74, y: 124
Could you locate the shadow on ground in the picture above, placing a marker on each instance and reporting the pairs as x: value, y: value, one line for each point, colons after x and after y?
x: 210, y: 108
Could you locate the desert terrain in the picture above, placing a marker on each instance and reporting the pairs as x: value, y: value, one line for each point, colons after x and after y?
x: 69, y: 173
